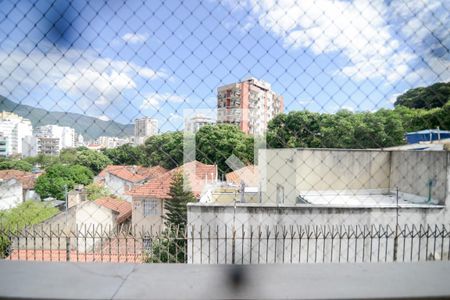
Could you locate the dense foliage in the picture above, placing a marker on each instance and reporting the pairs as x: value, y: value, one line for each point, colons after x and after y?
x: 95, y: 191
x: 95, y: 161
x: 126, y: 155
x: 436, y: 95
x: 345, y: 129
x: 16, y: 165
x: 27, y: 213
x: 165, y: 150
x: 216, y: 143
x: 56, y: 177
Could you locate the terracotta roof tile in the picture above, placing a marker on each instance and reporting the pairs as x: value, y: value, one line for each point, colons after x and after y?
x: 123, y: 208
x: 249, y: 174
x: 27, y: 179
x: 160, y: 186
x: 132, y: 173
x: 127, y: 175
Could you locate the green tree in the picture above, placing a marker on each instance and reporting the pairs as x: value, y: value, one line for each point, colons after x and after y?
x: 216, y: 143
x: 176, y: 204
x: 170, y: 246
x: 126, y: 155
x: 165, y: 150
x: 297, y: 129
x: 436, y: 95
x: 95, y: 191
x: 14, y: 220
x: 44, y: 161
x: 96, y: 161
x: 52, y: 183
x: 16, y: 165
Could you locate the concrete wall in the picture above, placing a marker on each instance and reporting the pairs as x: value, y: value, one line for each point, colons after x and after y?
x: 11, y: 194
x: 298, y: 171
x: 293, y: 172
x: 270, y: 234
x: 412, y: 172
x: 82, y: 225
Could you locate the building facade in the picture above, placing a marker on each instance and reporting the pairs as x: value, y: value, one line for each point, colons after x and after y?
x: 52, y: 138
x: 13, y: 130
x: 196, y: 122
x: 144, y: 128
x: 249, y: 104
x: 110, y: 142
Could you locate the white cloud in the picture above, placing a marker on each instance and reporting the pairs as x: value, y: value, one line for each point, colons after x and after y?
x: 83, y: 75
x: 103, y: 118
x: 134, y: 38
x: 371, y: 34
x: 101, y: 86
x: 174, y: 117
x: 154, y: 100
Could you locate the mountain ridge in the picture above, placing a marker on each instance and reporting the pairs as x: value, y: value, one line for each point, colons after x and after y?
x: 89, y: 127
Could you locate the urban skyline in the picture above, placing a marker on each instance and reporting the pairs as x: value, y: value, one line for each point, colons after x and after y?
x: 140, y: 69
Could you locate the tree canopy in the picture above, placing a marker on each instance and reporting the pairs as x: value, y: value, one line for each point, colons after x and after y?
x: 27, y: 213
x: 16, y: 165
x: 165, y: 150
x: 216, y: 143
x: 436, y: 95
x: 126, y: 155
x: 52, y: 183
x: 96, y: 161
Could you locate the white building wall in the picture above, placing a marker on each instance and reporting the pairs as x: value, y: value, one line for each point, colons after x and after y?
x: 118, y: 186
x: 11, y: 194
x: 66, y: 135
x: 14, y: 130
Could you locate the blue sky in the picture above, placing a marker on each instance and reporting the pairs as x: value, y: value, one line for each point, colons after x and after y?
x: 120, y: 60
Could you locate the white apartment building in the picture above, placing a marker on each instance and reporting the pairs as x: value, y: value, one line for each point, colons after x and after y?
x: 52, y: 138
x: 144, y: 128
x: 196, y: 122
x: 249, y: 104
x: 13, y: 130
x: 109, y: 142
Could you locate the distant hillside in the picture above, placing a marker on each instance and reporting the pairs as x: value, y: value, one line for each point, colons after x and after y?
x: 89, y: 127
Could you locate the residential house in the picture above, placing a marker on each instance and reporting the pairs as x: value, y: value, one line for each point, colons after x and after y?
x: 91, y: 226
x: 148, y: 199
x: 121, y: 179
x: 27, y: 179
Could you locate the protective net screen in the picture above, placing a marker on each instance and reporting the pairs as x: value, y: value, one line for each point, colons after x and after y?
x: 225, y: 131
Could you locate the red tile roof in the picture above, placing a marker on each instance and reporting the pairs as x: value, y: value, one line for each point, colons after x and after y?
x: 160, y: 186
x: 126, y: 174
x: 123, y: 208
x: 27, y: 179
x: 249, y: 174
x: 132, y: 173
x: 116, y: 250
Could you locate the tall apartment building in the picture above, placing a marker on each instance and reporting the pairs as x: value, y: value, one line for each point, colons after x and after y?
x: 196, y: 122
x: 13, y: 130
x: 144, y: 128
x: 249, y: 104
x: 52, y: 138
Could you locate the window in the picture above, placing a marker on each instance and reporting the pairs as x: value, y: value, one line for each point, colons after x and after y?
x: 151, y: 208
